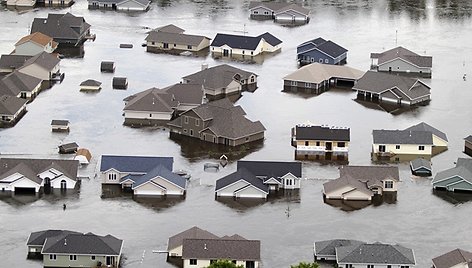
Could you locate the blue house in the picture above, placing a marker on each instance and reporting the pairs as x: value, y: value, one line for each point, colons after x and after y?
x: 322, y: 51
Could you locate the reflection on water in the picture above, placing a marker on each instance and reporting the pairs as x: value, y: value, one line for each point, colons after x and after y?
x: 351, y: 205
x: 453, y: 197
x: 258, y: 59
x: 71, y: 52
x: 246, y: 204
x: 397, y: 158
x: 54, y: 197
x: 324, y: 158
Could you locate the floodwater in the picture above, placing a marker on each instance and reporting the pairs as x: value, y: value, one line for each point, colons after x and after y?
x: 287, y: 226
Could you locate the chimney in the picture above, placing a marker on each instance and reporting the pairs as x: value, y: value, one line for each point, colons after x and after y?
x: 204, y: 66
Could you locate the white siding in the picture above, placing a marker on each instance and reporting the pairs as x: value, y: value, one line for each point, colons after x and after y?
x: 56, y: 184
x: 250, y: 192
x: 404, y: 149
x: 147, y: 115
x: 229, y: 191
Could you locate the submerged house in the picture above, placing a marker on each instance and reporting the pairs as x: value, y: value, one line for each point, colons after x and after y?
x: 326, y: 250
x: 457, y: 179
x: 172, y: 38
x: 122, y: 5
x: 11, y: 62
x: 175, y: 242
x: 316, y: 78
x: 402, y: 60
x: 12, y: 109
x: 321, y: 51
x: 36, y: 241
x: 20, y: 85
x: 44, y: 66
x: 371, y: 255
x: 158, y: 106
x: 18, y: 175
x: 222, y: 80
x: 228, y: 45
x: 457, y: 258
x: 20, y: 3
x: 279, y: 12
x: 34, y: 43
x: 420, y: 167
x: 387, y: 88
x: 219, y: 122
x: 362, y: 182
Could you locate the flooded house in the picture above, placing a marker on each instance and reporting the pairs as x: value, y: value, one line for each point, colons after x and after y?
x: 34, y: 44
x: 402, y: 61
x: 456, y: 179
x: 421, y: 167
x: 219, y: 122
x: 60, y: 125
x: 321, y: 51
x: 468, y: 145
x: 107, y: 67
x: 68, y: 148
x: 11, y: 62
x: 45, y: 66
x: 229, y: 45
x: 156, y: 106
x: 280, y: 12
x: 90, y: 85
x: 222, y: 80
x: 20, y: 85
x: 83, y: 155
x: 370, y: 255
x: 36, y: 241
x: 121, y: 5
x: 454, y: 258
x: 326, y: 250
x: 12, y: 109
x: 21, y: 3
x: 170, y: 38
x: 317, y: 78
x: 119, y: 83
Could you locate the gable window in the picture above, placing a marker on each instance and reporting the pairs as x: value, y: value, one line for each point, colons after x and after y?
x: 266, y: 12
x: 293, y: 83
x: 256, y: 12
x: 421, y: 147
x: 288, y: 182
x: 321, y: 60
x: 185, y: 119
x: 348, y: 266
x: 197, y: 122
x: 73, y: 257
x: 92, y: 258
x: 193, y: 261
x: 370, y: 266
x: 397, y: 147
x: 189, y: 47
x: 326, y: 61
x: 250, y: 264
x: 112, y: 177
x: 341, y: 144
x: 252, y: 79
x: 52, y: 257
x: 312, y: 60
x: 388, y: 184
x: 23, y: 95
x: 307, y: 84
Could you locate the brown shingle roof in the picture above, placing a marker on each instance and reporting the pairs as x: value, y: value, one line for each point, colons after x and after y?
x: 194, y: 232
x: 38, y: 38
x: 405, y: 54
x: 453, y: 258
x: 175, y: 38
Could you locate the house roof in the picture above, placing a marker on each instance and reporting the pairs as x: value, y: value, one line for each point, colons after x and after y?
x: 420, y: 163
x: 170, y: 28
x: 38, y: 238
x: 318, y: 73
x: 402, y: 137
x: 322, y: 133
x: 56, y: 122
x: 326, y: 46
x: 404, y: 87
x: 17, y: 82
x: 163, y: 172
x: 219, y: 76
x: 32, y: 167
x: 462, y: 169
x: 272, y: 168
x: 38, y: 38
x: 274, y: 6
x: 370, y: 173
x: 269, y: 38
x: 194, y: 232
x: 452, y: 258
x: 376, y: 253
x: 243, y: 41
x: 294, y: 7
x: 175, y: 38
x: 134, y: 164
x: 60, y: 26
x: 221, y: 249
x: 10, y: 105
x: 86, y: 244
x: 468, y: 139
x: 140, y: 2
x: 405, y: 54
x: 13, y: 61
x: 328, y: 247
x: 69, y: 146
x: 425, y: 127
x: 45, y: 60
x: 91, y: 83
x: 241, y: 174
x: 346, y: 180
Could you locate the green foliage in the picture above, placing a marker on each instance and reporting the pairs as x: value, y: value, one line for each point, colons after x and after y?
x: 306, y: 265
x: 224, y: 264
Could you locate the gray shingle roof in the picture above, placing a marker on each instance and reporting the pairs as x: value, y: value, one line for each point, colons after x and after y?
x: 402, y: 137
x: 56, y: 122
x: 221, y: 249
x: 241, y: 174
x: 344, y: 181
x: 420, y: 163
x: 170, y: 28
x: 452, y: 258
x: 17, y: 82
x: 86, y: 244
x: 404, y: 87
x: 163, y: 172
x: 45, y: 60
x: 376, y: 253
x: 322, y: 133
x: 243, y: 41
x: 371, y: 173
x: 175, y: 38
x: 60, y: 26
x: 10, y: 105
x: 328, y: 247
x: 271, y: 168
x: 134, y: 164
x: 13, y: 61
x: 462, y: 169
x: 91, y: 83
x: 425, y: 127
x: 38, y: 238
x: 468, y: 139
x: 194, y: 232
x: 33, y: 167
x: 405, y: 54
x: 217, y: 76
x: 274, y: 6
x: 294, y: 7
x: 269, y: 38
x: 327, y: 46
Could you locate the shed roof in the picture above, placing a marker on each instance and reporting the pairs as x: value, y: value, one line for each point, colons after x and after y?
x: 318, y: 73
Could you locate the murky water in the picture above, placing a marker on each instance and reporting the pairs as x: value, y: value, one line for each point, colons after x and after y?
x: 287, y: 226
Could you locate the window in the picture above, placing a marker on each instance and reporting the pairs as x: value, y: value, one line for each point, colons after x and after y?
x: 317, y: 143
x: 175, y: 45
x: 189, y: 47
x: 112, y: 177
x: 389, y: 266
x: 288, y: 182
x: 165, y: 45
x: 212, y: 261
x: 293, y: 83
x: 341, y: 144
x: 247, y: 139
x: 397, y: 147
x: 52, y: 257
x: 307, y: 143
x: 243, y: 52
x: 197, y: 122
x: 321, y: 60
x: 191, y: 132
x: 185, y: 130
x: 193, y: 261
x: 150, y: 115
x: 404, y: 266
x: 153, y: 43
x: 92, y: 258
x: 266, y: 12
x: 186, y: 119
x: 233, y: 261
x: 326, y: 61
x: 252, y: 52
x: 388, y: 184
x: 23, y: 95
x: 256, y: 12
x: 348, y: 265
x: 421, y: 147
x: 370, y: 266
x: 312, y: 60
x: 250, y: 264
x: 73, y: 257
x: 252, y: 79
x: 307, y: 84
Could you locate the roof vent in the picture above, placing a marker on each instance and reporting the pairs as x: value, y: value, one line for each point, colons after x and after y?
x: 65, y: 241
x: 205, y: 247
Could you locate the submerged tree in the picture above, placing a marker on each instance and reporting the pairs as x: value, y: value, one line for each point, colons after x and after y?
x: 224, y: 264
x: 305, y: 265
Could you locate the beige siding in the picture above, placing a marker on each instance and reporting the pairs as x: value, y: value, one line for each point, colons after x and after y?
x: 36, y: 71
x: 177, y: 252
x: 171, y: 189
x: 229, y: 191
x: 206, y: 263
x: 356, y: 195
x: 404, y: 149
x: 338, y: 193
x: 105, y: 178
x: 439, y: 142
x: 251, y: 192
x: 237, y: 51
x: 149, y: 189
x: 399, y: 65
x: 147, y: 115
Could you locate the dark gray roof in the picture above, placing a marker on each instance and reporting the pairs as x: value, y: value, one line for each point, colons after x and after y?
x: 61, y: 26
x: 243, y: 41
x: 17, y: 82
x: 45, y: 60
x: 241, y: 174
x: 272, y: 168
x: 134, y: 164
x: 194, y: 232
x: 376, y: 253
x: 163, y: 172
x: 425, y: 127
x: 326, y: 46
x: 38, y: 238
x: 452, y: 258
x: 468, y: 139
x: 462, y: 169
x: 86, y: 244
x: 322, y: 133
x: 32, y: 167
x: 221, y: 249
x: 218, y: 76
x: 403, y: 87
x: 69, y: 146
x: 328, y: 247
x: 13, y: 61
x: 10, y: 105
x: 175, y: 38
x: 269, y: 38
x: 56, y: 122
x: 420, y: 163
x: 405, y: 54
x: 402, y: 137
x: 91, y: 83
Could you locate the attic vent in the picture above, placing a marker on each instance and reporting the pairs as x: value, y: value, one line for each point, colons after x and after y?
x: 205, y: 247
x: 65, y: 241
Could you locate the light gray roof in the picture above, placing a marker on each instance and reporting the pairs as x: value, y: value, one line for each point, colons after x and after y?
x: 318, y: 72
x: 194, y: 232
x: 218, y: 76
x: 241, y: 174
x: 425, y: 127
x: 91, y: 83
x: 170, y: 28
x: 274, y: 6
x: 140, y: 2
x: 85, y: 244
x: 61, y: 26
x: 294, y: 7
x: 328, y: 247
x: 38, y: 238
x: 403, y: 87
x: 402, y: 137
x: 164, y: 173
x: 221, y: 249
x: 405, y: 54
x: 344, y: 181
x: 175, y: 38
x: 367, y: 173
x: 17, y: 82
x: 452, y: 258
x: 13, y: 61
x: 376, y: 253
x: 45, y: 60
x: 463, y: 169
x: 420, y: 163
x: 10, y: 105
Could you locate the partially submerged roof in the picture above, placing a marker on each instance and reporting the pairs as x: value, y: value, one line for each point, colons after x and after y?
x: 169, y: 28
x: 13, y: 61
x: 38, y: 238
x: 241, y: 174
x: 272, y: 168
x: 17, y: 82
x: 370, y: 173
x: 419, y: 163
x: 38, y: 38
x: 69, y: 146
x: 327, y: 47
x: 84, y: 152
x: 44, y: 60
x: 346, y: 180
x: 322, y: 133
x: 194, y: 232
x: 163, y: 172
x: 238, y: 249
x: 85, y: 244
x: 375, y: 253
x: 134, y: 164
x: 468, y: 139
x: 462, y: 169
x: 453, y: 258
x: 243, y: 41
x: 175, y: 38
x: 405, y: 54
x: 402, y: 137
x: 28, y: 166
x: 425, y: 127
x: 10, y: 105
x: 91, y: 83
x: 218, y: 76
x: 56, y: 122
x: 279, y: 7
x: 318, y: 73
x: 328, y: 247
x: 293, y: 7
